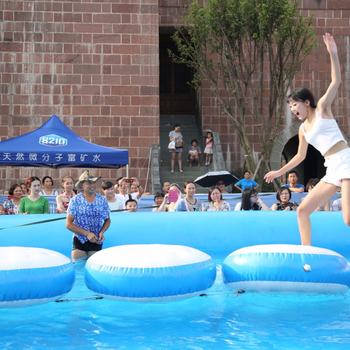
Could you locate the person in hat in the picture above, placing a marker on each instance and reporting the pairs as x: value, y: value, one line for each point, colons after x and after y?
x: 87, y: 217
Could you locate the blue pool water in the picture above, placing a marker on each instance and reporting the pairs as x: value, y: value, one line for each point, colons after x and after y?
x: 219, y: 320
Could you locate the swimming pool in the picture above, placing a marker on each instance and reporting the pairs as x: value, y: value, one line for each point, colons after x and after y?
x: 218, y: 320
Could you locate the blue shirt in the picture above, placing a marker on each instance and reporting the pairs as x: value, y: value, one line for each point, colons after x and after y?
x: 244, y: 184
x: 88, y: 216
x: 297, y: 186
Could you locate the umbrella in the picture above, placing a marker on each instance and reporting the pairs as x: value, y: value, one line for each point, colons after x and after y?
x: 212, y: 177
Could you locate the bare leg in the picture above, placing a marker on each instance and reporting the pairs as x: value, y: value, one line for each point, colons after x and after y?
x: 322, y: 192
x: 91, y: 253
x: 196, y: 159
x: 172, y: 160
x: 345, y: 195
x: 179, y: 160
x: 77, y: 254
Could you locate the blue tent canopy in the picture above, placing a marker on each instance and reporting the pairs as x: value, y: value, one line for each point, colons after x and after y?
x: 54, y: 145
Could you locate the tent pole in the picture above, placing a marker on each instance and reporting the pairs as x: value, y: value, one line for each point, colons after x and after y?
x: 127, y: 170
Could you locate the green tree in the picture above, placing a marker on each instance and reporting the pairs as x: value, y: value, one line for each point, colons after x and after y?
x: 248, y: 51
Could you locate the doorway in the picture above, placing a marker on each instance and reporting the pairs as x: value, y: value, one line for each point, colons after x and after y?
x: 176, y: 96
x: 311, y: 167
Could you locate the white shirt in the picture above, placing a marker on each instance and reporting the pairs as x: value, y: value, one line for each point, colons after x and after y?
x: 124, y: 198
x: 116, y: 205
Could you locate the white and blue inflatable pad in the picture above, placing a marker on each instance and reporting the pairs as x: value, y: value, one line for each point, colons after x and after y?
x: 33, y: 276
x: 287, y: 269
x: 149, y: 272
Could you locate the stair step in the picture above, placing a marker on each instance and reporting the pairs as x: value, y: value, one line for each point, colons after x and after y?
x: 189, y: 132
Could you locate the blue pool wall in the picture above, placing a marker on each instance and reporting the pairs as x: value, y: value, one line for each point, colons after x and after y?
x: 211, y: 232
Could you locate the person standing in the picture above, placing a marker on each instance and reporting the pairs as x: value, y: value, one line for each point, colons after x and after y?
x: 208, y: 150
x: 113, y: 202
x: 321, y: 130
x: 87, y: 217
x: 34, y: 203
x: 63, y: 199
x: 246, y: 182
x: 123, y: 194
x: 293, y: 183
x: 176, y: 136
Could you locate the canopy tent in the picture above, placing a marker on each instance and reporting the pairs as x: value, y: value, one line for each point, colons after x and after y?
x: 54, y: 145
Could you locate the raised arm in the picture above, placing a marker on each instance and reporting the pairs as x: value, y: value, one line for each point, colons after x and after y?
x: 326, y: 100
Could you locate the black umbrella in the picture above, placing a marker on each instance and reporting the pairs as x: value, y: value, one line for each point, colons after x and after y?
x: 212, y: 177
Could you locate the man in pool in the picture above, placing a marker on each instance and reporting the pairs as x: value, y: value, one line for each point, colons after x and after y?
x: 87, y: 217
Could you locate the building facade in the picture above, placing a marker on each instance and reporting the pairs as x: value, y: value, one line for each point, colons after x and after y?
x: 102, y: 67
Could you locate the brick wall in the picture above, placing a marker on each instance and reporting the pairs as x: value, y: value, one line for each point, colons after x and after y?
x: 331, y: 16
x: 93, y: 63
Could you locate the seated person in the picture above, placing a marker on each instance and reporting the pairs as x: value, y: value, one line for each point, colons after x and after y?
x: 171, y: 205
x: 193, y: 204
x: 326, y: 206
x: 193, y: 153
x: 336, y: 205
x: 215, y: 201
x: 24, y: 189
x: 251, y: 201
x: 131, y: 206
x: 2, y: 210
x: 246, y: 182
x: 284, y: 195
x: 166, y: 186
x: 293, y: 182
x: 158, y: 199
x: 14, y: 199
x: 47, y: 190
x: 221, y: 186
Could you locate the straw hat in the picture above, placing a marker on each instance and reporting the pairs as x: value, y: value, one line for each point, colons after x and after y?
x: 85, y: 176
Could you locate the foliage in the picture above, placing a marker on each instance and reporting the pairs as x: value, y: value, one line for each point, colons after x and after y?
x: 248, y: 51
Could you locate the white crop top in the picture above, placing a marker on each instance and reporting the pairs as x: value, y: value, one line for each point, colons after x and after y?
x: 324, y: 134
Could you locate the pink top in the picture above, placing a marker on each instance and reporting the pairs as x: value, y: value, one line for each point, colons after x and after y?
x: 324, y: 134
x: 209, y: 144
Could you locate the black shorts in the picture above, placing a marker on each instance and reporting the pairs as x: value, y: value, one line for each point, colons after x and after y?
x: 87, y: 246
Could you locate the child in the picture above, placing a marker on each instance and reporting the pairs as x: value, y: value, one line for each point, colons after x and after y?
x: 193, y: 153
x: 158, y: 199
x: 321, y: 130
x: 2, y: 210
x: 208, y: 148
x: 131, y: 205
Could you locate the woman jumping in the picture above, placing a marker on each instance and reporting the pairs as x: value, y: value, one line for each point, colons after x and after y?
x: 321, y: 130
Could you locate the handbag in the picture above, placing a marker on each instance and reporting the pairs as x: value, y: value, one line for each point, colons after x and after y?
x: 171, y: 145
x: 179, y: 143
